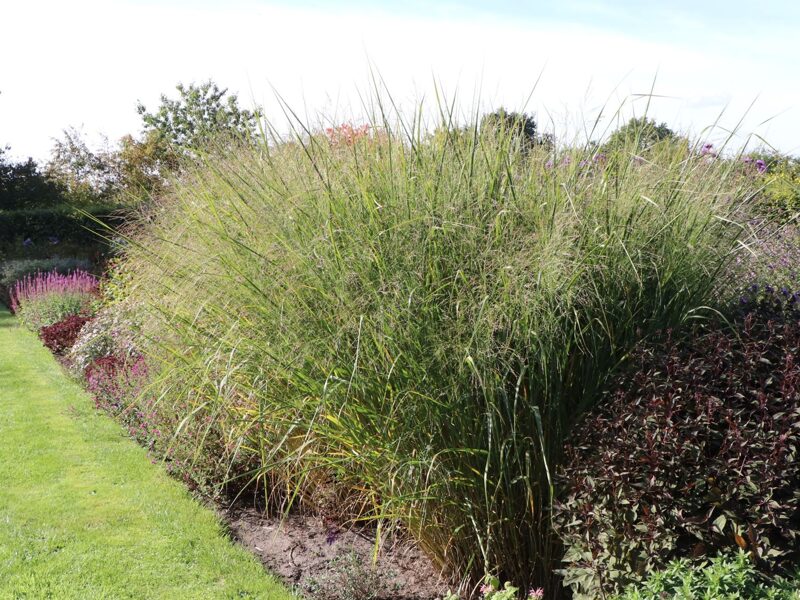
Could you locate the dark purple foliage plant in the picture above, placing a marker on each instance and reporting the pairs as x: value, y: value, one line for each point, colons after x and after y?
x: 694, y: 452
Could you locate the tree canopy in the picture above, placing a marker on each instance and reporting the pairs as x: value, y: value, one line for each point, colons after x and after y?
x: 199, y: 114
x: 23, y: 185
x: 642, y: 131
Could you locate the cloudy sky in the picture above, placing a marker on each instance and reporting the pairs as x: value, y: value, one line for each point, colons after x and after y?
x: 86, y: 63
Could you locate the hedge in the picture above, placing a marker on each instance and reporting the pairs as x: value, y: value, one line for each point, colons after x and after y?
x: 65, y: 224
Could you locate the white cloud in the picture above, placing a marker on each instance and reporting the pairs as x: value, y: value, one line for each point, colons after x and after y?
x: 87, y: 63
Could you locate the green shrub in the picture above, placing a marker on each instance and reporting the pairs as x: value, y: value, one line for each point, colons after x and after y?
x: 726, y: 577
x: 423, y: 321
x: 43, y: 226
x: 780, y: 198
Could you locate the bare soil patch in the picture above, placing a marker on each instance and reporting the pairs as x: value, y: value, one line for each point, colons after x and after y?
x: 313, y: 557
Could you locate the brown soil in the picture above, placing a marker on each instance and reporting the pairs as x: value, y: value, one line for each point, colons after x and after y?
x: 315, y: 559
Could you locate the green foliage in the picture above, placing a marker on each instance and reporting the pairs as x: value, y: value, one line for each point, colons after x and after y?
x: 139, y: 168
x: 780, y: 198
x: 638, y: 135
x: 200, y: 114
x: 421, y: 321
x: 52, y: 228
x: 51, y: 308
x: 24, y: 186
x: 88, y: 177
x: 725, y: 577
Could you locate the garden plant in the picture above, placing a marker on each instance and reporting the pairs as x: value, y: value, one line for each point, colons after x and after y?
x: 418, y: 322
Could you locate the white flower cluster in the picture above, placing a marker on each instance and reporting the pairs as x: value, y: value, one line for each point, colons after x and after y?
x: 111, y: 332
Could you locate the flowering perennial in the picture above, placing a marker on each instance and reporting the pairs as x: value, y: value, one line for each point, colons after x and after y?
x: 37, y: 285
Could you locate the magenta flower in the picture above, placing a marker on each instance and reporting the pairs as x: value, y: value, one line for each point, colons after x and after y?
x: 43, y: 284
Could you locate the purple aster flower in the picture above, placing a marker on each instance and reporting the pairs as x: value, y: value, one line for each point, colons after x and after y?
x: 707, y: 149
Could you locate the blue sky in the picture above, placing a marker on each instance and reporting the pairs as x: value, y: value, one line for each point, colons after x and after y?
x: 87, y: 62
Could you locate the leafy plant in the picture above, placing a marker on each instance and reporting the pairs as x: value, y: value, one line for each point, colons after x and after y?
x: 60, y: 337
x: 199, y: 114
x: 639, y: 135
x: 780, y: 177
x: 725, y: 577
x: 695, y: 451
x: 42, y: 299
x: 14, y: 270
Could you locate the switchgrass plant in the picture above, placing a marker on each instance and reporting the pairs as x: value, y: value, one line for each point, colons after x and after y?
x: 42, y: 299
x: 418, y: 320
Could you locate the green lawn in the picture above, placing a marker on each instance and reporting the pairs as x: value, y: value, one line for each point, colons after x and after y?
x: 84, y: 514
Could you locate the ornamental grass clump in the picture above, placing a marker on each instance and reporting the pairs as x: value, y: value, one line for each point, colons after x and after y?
x: 43, y: 299
x: 421, y: 319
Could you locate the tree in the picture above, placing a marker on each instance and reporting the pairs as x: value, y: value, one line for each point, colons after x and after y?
x: 140, y: 166
x: 23, y: 185
x: 520, y: 125
x: 641, y: 132
x: 88, y: 176
x: 200, y: 114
